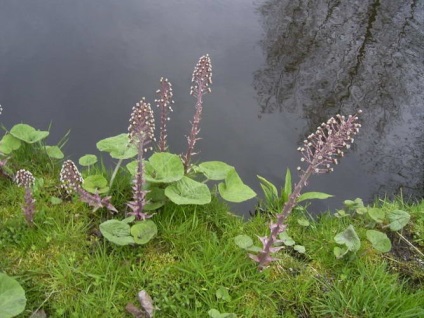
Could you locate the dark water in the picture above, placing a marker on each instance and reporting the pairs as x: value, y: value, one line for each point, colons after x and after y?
x: 279, y: 69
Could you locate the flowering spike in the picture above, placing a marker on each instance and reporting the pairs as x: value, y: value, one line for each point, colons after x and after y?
x: 321, y: 150
x: 164, y: 103
x: 202, y: 78
x: 26, y: 180
x: 72, y: 180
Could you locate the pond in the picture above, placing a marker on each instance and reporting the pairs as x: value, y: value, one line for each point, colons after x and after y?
x: 280, y: 68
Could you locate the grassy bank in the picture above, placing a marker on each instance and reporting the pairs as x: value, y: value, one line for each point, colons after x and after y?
x: 193, y: 265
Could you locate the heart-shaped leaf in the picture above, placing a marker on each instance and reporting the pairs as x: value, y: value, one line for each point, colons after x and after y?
x: 379, y: 241
x: 12, y: 297
x: 144, y: 231
x: 234, y: 190
x: 188, y: 191
x: 243, y: 241
x: 117, y: 232
x: 398, y: 219
x: 377, y: 215
x: 28, y: 134
x: 119, y: 147
x: 54, y: 152
x: 287, y: 240
x: 214, y: 170
x: 95, y: 184
x: 349, y: 238
x: 8, y: 144
x: 164, y: 167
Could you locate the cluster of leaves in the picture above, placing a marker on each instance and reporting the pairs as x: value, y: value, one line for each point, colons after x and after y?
x: 378, y: 221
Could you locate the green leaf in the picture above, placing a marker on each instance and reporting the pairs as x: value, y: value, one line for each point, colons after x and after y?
x: 188, y: 191
x: 164, y: 167
x: 214, y: 170
x: 287, y: 186
x: 287, y: 240
x: 144, y: 231
x: 8, y: 144
x: 243, y: 241
x: 349, y: 238
x: 339, y: 252
x: 12, y: 297
x: 55, y: 200
x: 129, y: 219
x: 222, y: 293
x: 155, y: 198
x: 87, y: 160
x: 303, y: 222
x: 313, y: 195
x: 95, y: 184
x: 398, y: 219
x: 270, y: 191
x: 117, y: 232
x: 377, y: 215
x: 379, y: 241
x: 300, y: 249
x: 119, y: 147
x: 54, y: 152
x: 213, y: 313
x: 234, y: 190
x: 28, y: 134
x: 132, y: 167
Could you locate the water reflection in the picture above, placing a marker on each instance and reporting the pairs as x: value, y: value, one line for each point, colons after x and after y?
x: 325, y: 57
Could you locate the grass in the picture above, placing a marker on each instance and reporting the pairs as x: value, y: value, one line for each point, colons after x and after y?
x: 68, y: 270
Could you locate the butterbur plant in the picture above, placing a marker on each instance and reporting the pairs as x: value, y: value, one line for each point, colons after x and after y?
x: 26, y: 180
x: 201, y: 79
x: 164, y: 103
x: 71, y: 180
x: 321, y: 151
x: 141, y: 134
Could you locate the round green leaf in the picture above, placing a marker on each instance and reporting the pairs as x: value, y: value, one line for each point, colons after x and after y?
x: 27, y: 133
x: 8, y: 144
x: 300, y: 249
x: 243, y: 241
x: 303, y: 222
x: 12, y: 297
x: 55, y: 200
x: 234, y: 190
x: 398, y: 219
x: 339, y: 252
x: 95, y: 184
x: 214, y: 170
x: 87, y: 160
x: 118, y: 147
x: 376, y: 214
x: 144, y: 231
x: 188, y: 191
x: 54, y: 152
x: 379, y: 241
x: 164, y: 167
x: 349, y: 238
x: 287, y: 240
x: 117, y: 232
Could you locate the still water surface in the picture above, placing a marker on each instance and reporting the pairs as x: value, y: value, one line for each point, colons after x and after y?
x: 280, y: 68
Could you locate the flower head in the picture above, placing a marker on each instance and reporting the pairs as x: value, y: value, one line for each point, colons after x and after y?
x: 322, y: 149
x: 24, y: 178
x: 142, y: 123
x: 164, y: 103
x: 70, y: 177
x: 202, y: 76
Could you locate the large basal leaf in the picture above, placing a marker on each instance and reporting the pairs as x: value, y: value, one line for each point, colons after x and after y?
x: 376, y: 214
x: 144, y: 231
x: 379, y: 241
x: 27, y: 133
x: 312, y: 196
x: 12, y: 297
x: 8, y: 144
x: 188, y: 191
x: 95, y: 184
x: 234, y: 190
x: 54, y: 152
x: 214, y: 170
x: 117, y: 232
x: 398, y: 219
x: 349, y: 238
x: 118, y: 147
x: 164, y: 167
